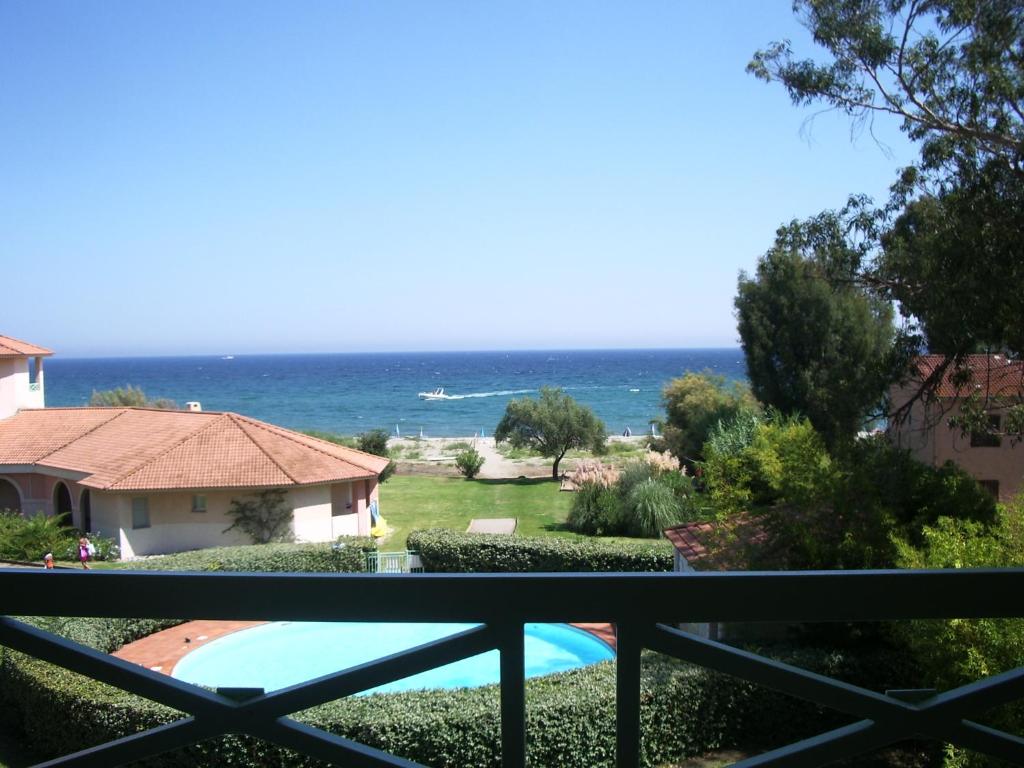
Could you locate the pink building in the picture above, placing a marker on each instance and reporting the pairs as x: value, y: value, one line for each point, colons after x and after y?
x: 162, y: 481
x: 997, y: 462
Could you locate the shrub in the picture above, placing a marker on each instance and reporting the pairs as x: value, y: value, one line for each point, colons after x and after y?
x: 469, y: 462
x: 105, y: 547
x: 332, y: 437
x: 29, y: 538
x: 650, y: 508
x: 445, y: 551
x: 755, y: 461
x: 265, y: 518
x: 375, y: 441
x: 346, y: 555
x: 956, y: 652
x: 595, y: 510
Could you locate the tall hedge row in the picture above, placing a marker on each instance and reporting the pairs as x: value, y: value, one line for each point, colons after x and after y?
x: 445, y: 551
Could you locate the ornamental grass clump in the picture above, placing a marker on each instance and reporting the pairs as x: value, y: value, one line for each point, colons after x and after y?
x: 650, y: 508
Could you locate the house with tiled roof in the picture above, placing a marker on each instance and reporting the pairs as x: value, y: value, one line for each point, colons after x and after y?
x: 996, y: 461
x: 162, y: 481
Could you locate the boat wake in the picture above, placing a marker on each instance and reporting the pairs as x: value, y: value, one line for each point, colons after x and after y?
x: 498, y: 393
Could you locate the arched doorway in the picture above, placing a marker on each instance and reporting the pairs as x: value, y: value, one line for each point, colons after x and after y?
x: 62, y: 502
x: 10, y: 498
x: 85, y: 505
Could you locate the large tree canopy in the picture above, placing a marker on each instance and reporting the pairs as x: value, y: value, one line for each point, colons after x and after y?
x: 552, y: 425
x: 947, y: 247
x: 815, y: 344
x: 951, y: 69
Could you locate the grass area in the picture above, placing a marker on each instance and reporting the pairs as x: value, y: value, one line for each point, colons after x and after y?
x: 410, y: 502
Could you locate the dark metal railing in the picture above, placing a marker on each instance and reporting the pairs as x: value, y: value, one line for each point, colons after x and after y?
x: 642, y: 606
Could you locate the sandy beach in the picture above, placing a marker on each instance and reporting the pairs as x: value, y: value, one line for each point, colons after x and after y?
x: 436, y: 456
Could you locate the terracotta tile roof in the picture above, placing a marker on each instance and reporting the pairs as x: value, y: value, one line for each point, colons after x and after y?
x: 14, y: 348
x: 989, y: 375
x: 718, y: 546
x: 142, y: 449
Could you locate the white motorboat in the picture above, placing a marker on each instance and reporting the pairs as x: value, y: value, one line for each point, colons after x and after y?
x: 437, y: 394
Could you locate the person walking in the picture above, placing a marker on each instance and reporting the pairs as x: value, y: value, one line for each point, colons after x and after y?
x: 83, y: 552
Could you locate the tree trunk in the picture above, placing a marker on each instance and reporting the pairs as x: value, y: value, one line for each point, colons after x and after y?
x: 554, y: 467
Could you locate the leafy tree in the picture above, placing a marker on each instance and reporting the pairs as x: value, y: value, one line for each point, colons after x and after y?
x: 552, y: 425
x: 951, y: 70
x: 469, y: 462
x: 946, y: 247
x: 375, y: 441
x: 815, y: 344
x: 129, y: 397
x: 265, y: 518
x: 694, y: 404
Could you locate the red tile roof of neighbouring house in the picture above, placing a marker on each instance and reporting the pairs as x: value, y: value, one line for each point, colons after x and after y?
x: 718, y: 546
x: 14, y: 348
x: 129, y: 449
x: 989, y: 375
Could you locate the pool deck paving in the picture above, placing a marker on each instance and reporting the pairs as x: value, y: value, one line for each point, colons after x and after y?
x: 161, y: 651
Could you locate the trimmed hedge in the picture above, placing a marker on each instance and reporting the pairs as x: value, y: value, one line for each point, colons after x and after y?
x: 347, y: 555
x: 445, y: 551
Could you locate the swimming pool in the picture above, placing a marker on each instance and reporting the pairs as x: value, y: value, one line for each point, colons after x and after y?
x: 277, y: 655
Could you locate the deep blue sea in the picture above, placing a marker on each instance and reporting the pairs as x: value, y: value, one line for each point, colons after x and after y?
x: 351, y: 393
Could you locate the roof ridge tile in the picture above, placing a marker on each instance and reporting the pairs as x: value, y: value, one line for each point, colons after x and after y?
x: 236, y: 418
x: 287, y: 434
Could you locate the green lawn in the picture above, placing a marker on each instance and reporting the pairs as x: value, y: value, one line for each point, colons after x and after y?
x: 410, y: 502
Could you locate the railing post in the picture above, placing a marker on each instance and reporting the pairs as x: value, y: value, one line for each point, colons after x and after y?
x: 627, y: 695
x: 513, y: 696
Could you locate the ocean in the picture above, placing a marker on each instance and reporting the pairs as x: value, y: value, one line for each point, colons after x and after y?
x: 352, y: 393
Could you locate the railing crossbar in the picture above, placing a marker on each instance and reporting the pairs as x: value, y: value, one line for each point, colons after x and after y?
x: 848, y: 741
x: 138, y: 746
x: 779, y: 676
x: 373, y: 673
x: 329, y: 747
x: 136, y: 679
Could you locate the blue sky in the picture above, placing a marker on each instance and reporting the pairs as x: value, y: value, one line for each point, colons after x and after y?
x: 231, y: 177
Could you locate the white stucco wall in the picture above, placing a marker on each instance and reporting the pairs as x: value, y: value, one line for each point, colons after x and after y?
x: 311, y: 519
x: 15, y: 391
x: 344, y: 520
x: 174, y: 527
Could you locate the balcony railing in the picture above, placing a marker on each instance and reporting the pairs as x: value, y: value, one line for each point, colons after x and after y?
x: 642, y: 606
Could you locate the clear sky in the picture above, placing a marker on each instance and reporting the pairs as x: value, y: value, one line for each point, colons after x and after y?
x: 231, y: 177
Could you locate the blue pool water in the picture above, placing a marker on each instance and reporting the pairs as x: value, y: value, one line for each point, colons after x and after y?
x: 281, y: 654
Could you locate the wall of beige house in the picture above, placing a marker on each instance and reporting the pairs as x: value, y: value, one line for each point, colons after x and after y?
x: 926, y: 433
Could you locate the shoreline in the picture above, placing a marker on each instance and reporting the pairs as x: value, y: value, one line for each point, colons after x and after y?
x: 436, y: 456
